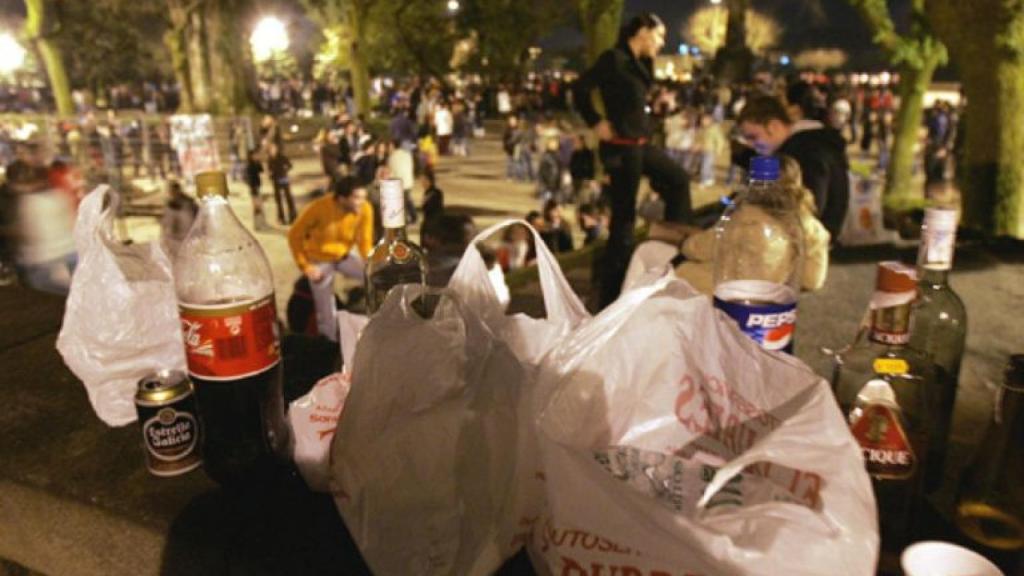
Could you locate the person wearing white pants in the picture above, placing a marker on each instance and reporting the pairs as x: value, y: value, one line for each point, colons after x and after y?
x: 351, y: 266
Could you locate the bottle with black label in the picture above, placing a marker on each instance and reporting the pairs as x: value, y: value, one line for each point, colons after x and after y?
x: 887, y: 390
x: 940, y: 324
x: 990, y: 503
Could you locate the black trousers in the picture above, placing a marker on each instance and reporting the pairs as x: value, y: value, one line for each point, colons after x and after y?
x: 625, y: 165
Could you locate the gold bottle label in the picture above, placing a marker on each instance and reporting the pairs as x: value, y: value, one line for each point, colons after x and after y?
x: 891, y: 366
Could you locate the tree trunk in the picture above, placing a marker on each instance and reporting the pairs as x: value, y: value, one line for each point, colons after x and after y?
x: 600, y: 22
x: 358, y: 69
x: 914, y: 82
x: 58, y: 76
x: 984, y: 41
x: 231, y: 67
x: 198, y: 61
x: 733, y: 62
x: 36, y: 29
x: 174, y: 39
x: 993, y: 174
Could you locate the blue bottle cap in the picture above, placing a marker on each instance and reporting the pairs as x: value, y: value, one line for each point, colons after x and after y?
x: 764, y: 168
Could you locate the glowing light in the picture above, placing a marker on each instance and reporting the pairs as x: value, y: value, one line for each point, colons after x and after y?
x: 268, y: 38
x: 684, y: 49
x: 453, y: 5
x: 12, y: 55
x: 784, y: 60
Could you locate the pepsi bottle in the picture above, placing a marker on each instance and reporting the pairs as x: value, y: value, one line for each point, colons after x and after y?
x: 759, y: 258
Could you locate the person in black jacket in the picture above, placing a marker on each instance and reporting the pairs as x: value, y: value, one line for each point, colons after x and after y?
x: 820, y: 151
x: 581, y: 166
x: 622, y: 77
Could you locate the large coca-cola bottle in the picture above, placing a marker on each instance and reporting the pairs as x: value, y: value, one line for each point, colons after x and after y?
x: 225, y: 294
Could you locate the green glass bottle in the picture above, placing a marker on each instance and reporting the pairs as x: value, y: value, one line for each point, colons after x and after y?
x: 940, y: 325
x: 887, y: 390
x: 990, y: 501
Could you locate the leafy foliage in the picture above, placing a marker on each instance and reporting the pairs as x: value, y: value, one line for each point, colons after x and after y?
x: 706, y: 29
x: 105, y: 42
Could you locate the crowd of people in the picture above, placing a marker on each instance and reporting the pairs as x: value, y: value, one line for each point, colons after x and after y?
x: 673, y: 133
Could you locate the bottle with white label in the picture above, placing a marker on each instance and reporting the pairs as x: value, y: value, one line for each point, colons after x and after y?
x: 887, y: 390
x: 759, y: 252
x: 395, y: 260
x: 225, y: 292
x: 940, y: 323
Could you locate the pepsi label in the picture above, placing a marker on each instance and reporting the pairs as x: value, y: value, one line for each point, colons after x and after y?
x: 770, y: 325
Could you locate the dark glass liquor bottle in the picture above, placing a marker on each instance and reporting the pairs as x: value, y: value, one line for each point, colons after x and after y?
x: 940, y: 324
x: 887, y: 390
x: 990, y: 503
x: 395, y: 260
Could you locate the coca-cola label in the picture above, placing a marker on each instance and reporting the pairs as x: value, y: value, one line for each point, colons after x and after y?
x: 232, y: 341
x: 883, y: 441
x: 770, y: 325
x: 170, y: 435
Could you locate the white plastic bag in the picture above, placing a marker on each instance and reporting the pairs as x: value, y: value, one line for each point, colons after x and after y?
x: 672, y: 444
x: 863, y: 224
x: 121, y: 316
x: 423, y: 458
x: 530, y: 339
x: 314, y: 416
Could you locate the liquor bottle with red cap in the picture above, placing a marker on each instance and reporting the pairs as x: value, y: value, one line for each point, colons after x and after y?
x: 225, y: 292
x: 888, y: 392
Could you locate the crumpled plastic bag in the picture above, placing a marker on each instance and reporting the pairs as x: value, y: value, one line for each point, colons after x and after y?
x: 673, y: 444
x: 423, y: 460
x: 314, y: 416
x: 530, y: 339
x: 121, y: 315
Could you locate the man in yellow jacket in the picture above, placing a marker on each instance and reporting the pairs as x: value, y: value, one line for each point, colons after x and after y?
x: 333, y: 234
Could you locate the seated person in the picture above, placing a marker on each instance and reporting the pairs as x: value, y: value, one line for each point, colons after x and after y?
x: 698, y: 249
x: 557, y: 233
x: 333, y: 234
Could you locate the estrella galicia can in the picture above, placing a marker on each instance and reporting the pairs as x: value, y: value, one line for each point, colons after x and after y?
x: 170, y: 424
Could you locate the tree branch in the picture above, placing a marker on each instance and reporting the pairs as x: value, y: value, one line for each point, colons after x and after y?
x: 876, y: 14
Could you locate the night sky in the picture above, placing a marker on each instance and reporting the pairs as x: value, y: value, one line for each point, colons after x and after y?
x: 805, y: 24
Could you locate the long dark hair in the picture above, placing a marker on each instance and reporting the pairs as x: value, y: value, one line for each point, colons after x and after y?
x: 639, y: 22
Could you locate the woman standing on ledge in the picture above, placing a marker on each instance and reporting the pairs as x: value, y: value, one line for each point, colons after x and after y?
x: 622, y: 77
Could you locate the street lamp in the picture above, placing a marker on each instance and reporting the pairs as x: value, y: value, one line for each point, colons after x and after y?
x: 453, y: 6
x: 716, y: 2
x: 12, y: 55
x: 268, y: 38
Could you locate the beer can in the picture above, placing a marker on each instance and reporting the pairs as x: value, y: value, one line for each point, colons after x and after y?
x: 170, y: 423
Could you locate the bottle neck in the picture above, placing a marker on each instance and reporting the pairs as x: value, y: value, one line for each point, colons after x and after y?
x: 392, y: 234
x: 891, y: 326
x: 766, y: 193
x: 928, y: 276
